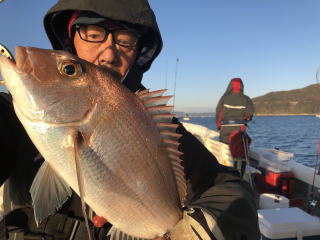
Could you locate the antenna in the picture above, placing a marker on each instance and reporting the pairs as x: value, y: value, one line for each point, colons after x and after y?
x: 318, y: 75
x: 166, y: 80
x: 175, y: 82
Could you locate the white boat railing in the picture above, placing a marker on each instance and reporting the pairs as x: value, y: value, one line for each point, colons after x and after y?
x: 273, y: 159
x: 210, y: 139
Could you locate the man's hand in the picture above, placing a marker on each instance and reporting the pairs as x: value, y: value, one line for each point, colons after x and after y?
x: 100, y: 221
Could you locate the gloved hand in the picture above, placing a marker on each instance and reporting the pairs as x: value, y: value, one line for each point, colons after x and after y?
x: 188, y: 228
x: 14, y: 141
x: 7, y: 143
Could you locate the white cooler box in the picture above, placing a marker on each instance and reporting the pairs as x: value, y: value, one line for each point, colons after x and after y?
x: 288, y: 224
x: 270, y: 200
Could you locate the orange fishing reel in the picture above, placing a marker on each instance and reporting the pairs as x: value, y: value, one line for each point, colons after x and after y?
x: 5, y: 52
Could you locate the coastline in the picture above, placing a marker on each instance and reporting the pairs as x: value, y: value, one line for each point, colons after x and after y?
x: 285, y: 114
x: 210, y: 114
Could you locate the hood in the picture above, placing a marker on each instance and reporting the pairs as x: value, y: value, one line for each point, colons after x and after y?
x: 235, y: 86
x: 136, y: 13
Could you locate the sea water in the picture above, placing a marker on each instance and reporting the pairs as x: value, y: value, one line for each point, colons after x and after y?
x: 296, y: 134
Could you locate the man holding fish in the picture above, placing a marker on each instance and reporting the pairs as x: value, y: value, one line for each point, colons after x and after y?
x: 115, y: 42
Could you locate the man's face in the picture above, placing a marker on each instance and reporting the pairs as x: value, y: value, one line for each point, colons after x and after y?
x: 115, y: 51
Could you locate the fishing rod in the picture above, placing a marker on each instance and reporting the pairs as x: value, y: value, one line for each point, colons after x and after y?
x: 175, y: 82
x: 5, y: 52
x: 317, y: 75
x: 313, y: 202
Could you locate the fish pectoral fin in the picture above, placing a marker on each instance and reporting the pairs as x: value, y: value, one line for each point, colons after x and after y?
x: 116, y: 234
x: 79, y: 142
x: 48, y: 192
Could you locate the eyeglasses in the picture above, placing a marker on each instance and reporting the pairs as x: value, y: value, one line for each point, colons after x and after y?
x: 97, y: 34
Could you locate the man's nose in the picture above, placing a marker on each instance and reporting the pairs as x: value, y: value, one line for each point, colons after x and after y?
x: 108, y: 51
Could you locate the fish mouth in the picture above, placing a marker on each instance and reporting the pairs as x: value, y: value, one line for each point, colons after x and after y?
x: 9, y: 63
x: 85, y: 119
x: 15, y: 65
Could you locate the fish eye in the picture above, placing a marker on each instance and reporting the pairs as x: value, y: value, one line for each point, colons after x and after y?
x: 70, y: 69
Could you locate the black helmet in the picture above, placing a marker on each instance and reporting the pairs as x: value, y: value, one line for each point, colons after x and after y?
x: 135, y: 13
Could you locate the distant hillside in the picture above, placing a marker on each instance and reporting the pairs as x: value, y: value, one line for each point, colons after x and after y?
x: 298, y: 101
x: 190, y: 114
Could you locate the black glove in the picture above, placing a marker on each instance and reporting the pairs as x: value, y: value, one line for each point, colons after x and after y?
x: 7, y: 120
x: 17, y: 150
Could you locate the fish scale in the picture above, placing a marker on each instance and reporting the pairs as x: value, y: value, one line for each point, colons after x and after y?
x: 126, y: 148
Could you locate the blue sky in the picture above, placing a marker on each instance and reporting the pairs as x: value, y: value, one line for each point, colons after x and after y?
x: 273, y: 45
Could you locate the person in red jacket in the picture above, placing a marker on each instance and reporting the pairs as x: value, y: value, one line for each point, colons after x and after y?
x: 233, y: 112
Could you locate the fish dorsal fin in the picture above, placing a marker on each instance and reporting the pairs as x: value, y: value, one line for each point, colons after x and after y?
x: 160, y: 109
x: 48, y: 192
x: 162, y: 115
x: 171, y: 135
x: 147, y: 95
x: 116, y: 234
x: 171, y: 143
x: 163, y: 126
x: 156, y: 101
x: 141, y: 92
